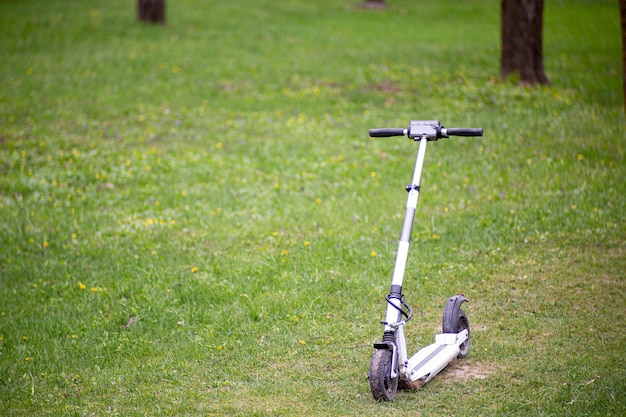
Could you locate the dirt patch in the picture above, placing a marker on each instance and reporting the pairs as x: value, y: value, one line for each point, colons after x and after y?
x: 386, y: 87
x: 463, y: 370
x: 468, y: 370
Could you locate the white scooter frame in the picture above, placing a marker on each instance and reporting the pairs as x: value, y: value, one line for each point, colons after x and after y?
x: 390, y: 365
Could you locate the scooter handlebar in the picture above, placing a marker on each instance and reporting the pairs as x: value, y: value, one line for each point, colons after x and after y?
x: 461, y: 131
x: 387, y: 132
x: 429, y: 129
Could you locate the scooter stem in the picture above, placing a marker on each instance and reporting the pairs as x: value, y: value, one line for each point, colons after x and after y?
x: 393, y: 313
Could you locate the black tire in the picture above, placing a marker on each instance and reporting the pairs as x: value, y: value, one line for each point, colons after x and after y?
x: 382, y: 386
x: 458, y: 324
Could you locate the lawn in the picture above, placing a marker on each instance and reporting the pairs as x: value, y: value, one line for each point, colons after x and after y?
x: 194, y: 220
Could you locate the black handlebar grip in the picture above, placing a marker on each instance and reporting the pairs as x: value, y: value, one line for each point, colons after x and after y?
x: 464, y: 131
x: 386, y: 132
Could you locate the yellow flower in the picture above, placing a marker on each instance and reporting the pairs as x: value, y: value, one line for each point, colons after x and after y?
x: 81, y: 285
x: 285, y: 252
x: 194, y: 269
x: 24, y: 338
x: 373, y: 254
x: 307, y: 243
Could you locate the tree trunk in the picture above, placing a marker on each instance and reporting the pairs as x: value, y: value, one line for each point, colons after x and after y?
x: 152, y: 11
x: 375, y: 4
x: 522, y: 40
x: 622, y: 11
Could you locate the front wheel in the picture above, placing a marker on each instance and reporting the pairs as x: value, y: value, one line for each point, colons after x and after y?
x: 383, y: 387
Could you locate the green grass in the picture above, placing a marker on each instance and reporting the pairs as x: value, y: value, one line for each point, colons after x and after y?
x: 194, y: 221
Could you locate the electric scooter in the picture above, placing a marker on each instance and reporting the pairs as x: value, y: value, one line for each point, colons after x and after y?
x: 390, y: 366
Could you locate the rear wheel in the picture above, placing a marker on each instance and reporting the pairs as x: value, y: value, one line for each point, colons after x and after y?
x: 463, y: 324
x: 458, y: 324
x: 383, y: 387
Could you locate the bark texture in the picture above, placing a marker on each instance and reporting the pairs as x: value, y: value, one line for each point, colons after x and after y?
x: 375, y: 4
x: 522, y: 40
x: 152, y: 11
x: 622, y: 10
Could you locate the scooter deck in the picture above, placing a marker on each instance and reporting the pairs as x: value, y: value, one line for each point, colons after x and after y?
x: 431, y: 359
